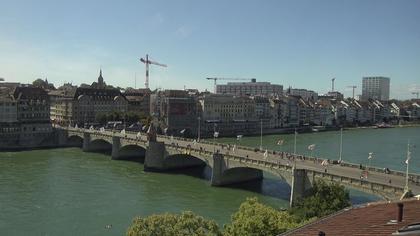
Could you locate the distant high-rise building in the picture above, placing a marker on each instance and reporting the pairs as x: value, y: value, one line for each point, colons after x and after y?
x: 375, y: 88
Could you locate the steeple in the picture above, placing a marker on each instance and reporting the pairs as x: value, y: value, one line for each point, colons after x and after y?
x: 100, y: 79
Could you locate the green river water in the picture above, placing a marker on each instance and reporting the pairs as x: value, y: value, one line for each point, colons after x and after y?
x: 68, y: 192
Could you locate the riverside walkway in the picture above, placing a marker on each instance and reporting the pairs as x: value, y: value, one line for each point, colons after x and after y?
x: 231, y: 164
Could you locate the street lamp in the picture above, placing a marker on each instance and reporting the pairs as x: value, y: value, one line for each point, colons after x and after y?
x: 407, y: 161
x: 199, y: 129
x: 370, y: 160
x: 294, y: 146
x: 215, y: 135
x: 261, y: 136
x: 340, y: 159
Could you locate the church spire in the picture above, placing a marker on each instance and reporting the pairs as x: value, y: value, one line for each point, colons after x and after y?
x: 100, y: 79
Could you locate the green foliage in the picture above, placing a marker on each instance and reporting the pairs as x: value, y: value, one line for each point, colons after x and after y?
x: 173, y: 225
x: 254, y: 218
x: 323, y: 200
x: 42, y: 84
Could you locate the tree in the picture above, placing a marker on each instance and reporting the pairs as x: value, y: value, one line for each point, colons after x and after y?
x: 322, y: 200
x: 173, y: 225
x: 39, y: 83
x: 254, y: 218
x: 101, y: 118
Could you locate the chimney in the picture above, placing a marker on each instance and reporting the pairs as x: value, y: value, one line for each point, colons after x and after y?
x: 400, y: 212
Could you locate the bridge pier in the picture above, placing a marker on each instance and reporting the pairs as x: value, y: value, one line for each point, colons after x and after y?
x: 155, y: 156
x: 158, y: 159
x: 86, y: 142
x: 301, y: 184
x: 116, y: 145
x: 62, y: 137
x: 222, y: 175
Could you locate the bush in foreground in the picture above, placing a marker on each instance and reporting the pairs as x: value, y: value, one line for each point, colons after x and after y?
x: 322, y: 200
x: 254, y: 218
x: 168, y: 224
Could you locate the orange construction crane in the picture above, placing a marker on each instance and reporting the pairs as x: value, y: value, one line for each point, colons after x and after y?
x: 353, y: 87
x: 148, y: 62
x: 243, y: 79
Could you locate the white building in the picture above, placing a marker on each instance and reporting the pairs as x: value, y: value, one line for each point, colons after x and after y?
x: 252, y: 88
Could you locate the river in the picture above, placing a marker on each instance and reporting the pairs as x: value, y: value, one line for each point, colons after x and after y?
x: 68, y: 192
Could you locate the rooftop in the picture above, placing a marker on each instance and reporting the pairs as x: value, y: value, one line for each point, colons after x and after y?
x: 371, y: 219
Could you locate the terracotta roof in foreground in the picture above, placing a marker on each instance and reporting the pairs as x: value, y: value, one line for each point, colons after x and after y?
x: 371, y: 219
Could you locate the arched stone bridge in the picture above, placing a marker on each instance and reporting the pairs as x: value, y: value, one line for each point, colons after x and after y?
x: 243, y: 164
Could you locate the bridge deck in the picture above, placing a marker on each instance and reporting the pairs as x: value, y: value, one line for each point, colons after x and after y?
x: 348, y: 171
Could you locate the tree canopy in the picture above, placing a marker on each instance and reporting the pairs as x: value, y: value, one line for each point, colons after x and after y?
x: 322, y: 200
x: 254, y: 218
x: 168, y: 224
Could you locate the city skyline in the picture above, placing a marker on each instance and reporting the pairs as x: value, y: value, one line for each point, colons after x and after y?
x: 302, y: 44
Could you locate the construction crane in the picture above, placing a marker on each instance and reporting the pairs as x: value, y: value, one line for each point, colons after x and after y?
x: 216, y: 79
x: 416, y: 93
x: 148, y: 62
x: 353, y: 87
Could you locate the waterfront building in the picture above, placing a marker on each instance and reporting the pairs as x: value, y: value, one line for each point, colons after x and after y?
x: 227, y: 114
x: 24, y: 121
x: 291, y: 111
x: 376, y: 87
x: 275, y: 113
x: 306, y: 112
x: 365, y: 114
x: 252, y: 88
x: 8, y: 107
x: 410, y: 110
x: 323, y: 114
x: 84, y: 104
x: 263, y: 111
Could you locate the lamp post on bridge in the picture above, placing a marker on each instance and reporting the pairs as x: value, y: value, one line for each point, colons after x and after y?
x: 199, y: 129
x: 370, y: 160
x: 340, y: 158
x: 407, y: 161
x: 261, y: 136
x: 294, y: 146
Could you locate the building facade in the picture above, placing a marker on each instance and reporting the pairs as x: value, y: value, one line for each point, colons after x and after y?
x: 175, y: 112
x: 303, y: 93
x: 375, y: 88
x: 253, y: 88
x: 84, y: 104
x: 24, y: 119
x: 138, y: 100
x: 227, y: 115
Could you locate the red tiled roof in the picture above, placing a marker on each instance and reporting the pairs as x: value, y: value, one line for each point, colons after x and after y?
x: 371, y: 219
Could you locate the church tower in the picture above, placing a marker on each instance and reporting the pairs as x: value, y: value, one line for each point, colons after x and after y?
x: 101, y: 83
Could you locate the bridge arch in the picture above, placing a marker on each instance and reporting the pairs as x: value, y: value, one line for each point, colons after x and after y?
x: 74, y: 141
x: 99, y: 145
x: 240, y: 174
x: 180, y: 160
x: 132, y: 152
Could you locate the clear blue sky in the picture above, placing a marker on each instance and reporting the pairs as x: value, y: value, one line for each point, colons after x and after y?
x: 301, y: 44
